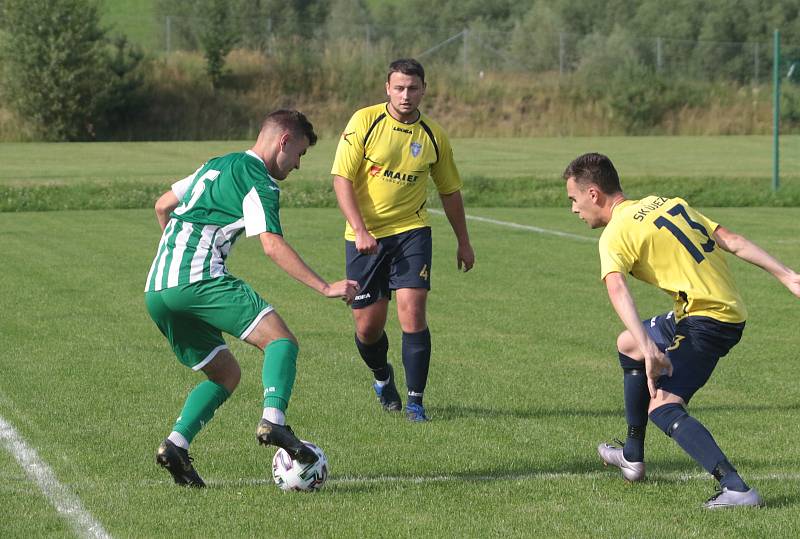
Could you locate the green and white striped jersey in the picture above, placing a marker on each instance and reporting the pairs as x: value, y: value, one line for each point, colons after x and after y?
x: 225, y: 197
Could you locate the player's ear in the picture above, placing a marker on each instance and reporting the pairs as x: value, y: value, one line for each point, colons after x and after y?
x: 284, y: 140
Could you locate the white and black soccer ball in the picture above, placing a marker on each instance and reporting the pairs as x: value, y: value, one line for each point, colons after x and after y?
x: 292, y: 475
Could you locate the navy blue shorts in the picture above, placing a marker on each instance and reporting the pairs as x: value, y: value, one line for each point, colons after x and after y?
x: 402, y: 261
x: 694, y: 346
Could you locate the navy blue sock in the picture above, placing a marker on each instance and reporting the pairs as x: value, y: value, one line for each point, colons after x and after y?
x: 416, y: 360
x: 374, y: 355
x: 637, y: 399
x: 698, y: 443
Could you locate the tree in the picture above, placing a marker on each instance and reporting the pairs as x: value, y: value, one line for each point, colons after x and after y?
x: 218, y: 35
x: 54, y: 70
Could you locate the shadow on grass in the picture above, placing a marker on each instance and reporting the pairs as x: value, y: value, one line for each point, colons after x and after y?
x: 451, y: 412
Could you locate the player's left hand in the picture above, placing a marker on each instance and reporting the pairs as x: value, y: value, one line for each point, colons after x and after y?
x: 465, y: 257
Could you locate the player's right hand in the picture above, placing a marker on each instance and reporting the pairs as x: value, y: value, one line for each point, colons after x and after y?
x: 366, y: 244
x: 657, y: 364
x: 345, y: 289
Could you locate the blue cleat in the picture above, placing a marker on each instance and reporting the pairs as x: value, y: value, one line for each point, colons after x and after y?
x: 416, y: 413
x: 388, y: 395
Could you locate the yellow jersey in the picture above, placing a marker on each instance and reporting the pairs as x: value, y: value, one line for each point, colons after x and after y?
x: 389, y: 163
x: 664, y: 242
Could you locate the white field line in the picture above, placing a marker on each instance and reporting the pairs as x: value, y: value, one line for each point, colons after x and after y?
x: 64, y: 501
x: 518, y: 226
x: 481, y: 478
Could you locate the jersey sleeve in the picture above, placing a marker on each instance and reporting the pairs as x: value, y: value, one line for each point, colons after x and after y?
x: 350, y: 151
x: 181, y: 187
x: 444, y: 172
x: 616, y: 255
x: 261, y: 204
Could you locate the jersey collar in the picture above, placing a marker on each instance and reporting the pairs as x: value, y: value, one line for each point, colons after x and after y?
x: 389, y: 115
x: 254, y: 155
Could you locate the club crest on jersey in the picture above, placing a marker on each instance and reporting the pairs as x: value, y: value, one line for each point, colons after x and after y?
x: 416, y: 147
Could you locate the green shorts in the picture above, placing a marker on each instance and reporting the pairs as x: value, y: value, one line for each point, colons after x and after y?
x: 192, y: 317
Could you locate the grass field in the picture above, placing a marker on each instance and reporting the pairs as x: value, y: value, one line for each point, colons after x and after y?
x: 711, y: 171
x: 524, y: 384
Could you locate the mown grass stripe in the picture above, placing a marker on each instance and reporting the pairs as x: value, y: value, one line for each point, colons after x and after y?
x: 519, y: 226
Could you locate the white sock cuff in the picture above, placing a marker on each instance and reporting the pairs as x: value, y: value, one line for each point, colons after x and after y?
x: 274, y: 415
x: 178, y: 439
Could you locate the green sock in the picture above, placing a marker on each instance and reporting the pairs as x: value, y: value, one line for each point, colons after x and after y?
x: 280, y: 368
x: 199, y: 408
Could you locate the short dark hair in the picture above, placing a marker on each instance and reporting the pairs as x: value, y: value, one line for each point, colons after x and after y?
x: 406, y: 66
x: 594, y: 168
x: 293, y: 121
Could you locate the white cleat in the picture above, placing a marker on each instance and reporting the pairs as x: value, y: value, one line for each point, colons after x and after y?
x: 631, y: 471
x: 731, y: 498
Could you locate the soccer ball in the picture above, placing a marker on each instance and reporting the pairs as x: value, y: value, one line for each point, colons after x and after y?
x: 292, y: 475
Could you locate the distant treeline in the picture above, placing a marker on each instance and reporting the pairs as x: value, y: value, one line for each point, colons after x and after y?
x: 495, y: 67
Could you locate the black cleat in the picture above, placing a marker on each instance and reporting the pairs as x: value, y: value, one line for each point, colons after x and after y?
x: 269, y: 433
x: 178, y: 463
x: 388, y: 395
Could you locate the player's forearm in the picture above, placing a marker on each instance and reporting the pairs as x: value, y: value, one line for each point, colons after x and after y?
x: 625, y: 307
x: 289, y: 261
x: 453, y: 206
x: 346, y: 198
x: 756, y: 255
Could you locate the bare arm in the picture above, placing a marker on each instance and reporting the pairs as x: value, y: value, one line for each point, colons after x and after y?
x: 453, y: 206
x: 750, y: 252
x: 289, y: 261
x: 165, y: 204
x: 346, y: 197
x: 656, y: 363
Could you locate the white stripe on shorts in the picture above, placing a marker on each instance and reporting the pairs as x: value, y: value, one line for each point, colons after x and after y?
x: 209, y: 357
x: 255, y: 322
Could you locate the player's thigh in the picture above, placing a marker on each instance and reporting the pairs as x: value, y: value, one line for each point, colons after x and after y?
x: 697, y: 347
x: 411, y: 304
x: 411, y: 259
x: 270, y: 328
x: 660, y: 328
x: 194, y: 341
x: 371, y: 271
x: 228, y: 304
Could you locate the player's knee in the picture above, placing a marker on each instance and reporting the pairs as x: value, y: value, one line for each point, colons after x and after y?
x: 369, y: 331
x: 225, y: 371
x: 626, y: 344
x: 668, y: 417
